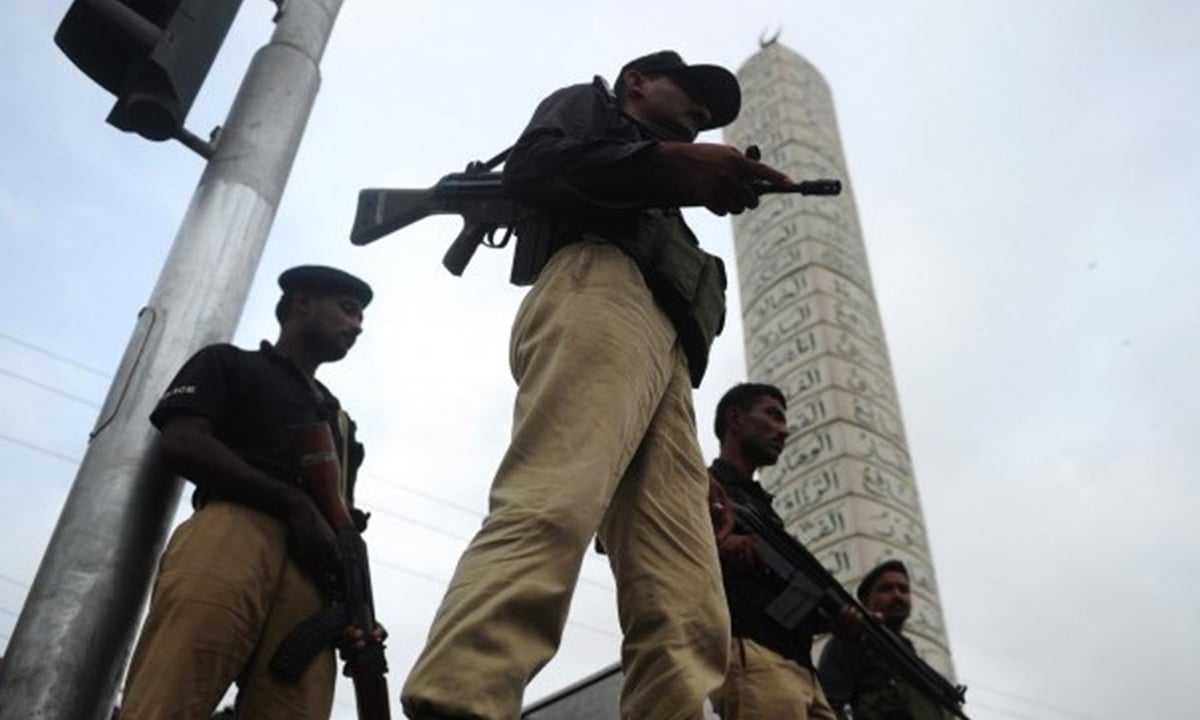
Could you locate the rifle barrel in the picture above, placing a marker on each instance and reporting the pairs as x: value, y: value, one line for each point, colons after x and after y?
x: 822, y: 186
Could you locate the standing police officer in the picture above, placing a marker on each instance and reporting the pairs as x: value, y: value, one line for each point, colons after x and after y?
x: 770, y: 675
x: 604, y: 350
x: 855, y: 678
x: 238, y: 575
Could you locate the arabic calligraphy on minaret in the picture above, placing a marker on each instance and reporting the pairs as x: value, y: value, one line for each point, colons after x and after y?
x: 845, y: 483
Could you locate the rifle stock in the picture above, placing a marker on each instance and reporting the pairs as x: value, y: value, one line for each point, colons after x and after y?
x: 479, y: 197
x: 811, y: 585
x: 381, y: 212
x: 353, y: 604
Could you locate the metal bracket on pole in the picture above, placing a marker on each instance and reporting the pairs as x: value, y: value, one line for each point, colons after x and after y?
x: 203, y: 148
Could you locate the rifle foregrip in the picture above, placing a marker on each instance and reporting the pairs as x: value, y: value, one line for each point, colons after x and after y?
x: 463, y: 248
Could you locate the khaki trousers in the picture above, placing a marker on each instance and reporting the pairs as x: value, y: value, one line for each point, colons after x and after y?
x: 763, y: 685
x: 604, y: 439
x: 226, y: 594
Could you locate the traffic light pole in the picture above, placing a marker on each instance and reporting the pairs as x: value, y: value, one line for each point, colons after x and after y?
x: 72, y: 640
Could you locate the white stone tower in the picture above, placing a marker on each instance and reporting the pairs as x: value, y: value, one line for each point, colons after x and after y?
x: 844, y: 485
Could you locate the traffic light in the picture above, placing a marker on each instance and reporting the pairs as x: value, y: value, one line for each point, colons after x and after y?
x: 152, y: 54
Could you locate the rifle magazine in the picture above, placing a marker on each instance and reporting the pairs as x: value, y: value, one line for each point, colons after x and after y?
x: 316, y: 632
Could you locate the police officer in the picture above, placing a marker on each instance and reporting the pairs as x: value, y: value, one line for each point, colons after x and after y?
x: 855, y: 678
x: 605, y: 347
x: 770, y: 675
x: 238, y: 575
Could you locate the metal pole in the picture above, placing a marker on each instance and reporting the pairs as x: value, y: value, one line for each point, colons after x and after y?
x: 73, y: 637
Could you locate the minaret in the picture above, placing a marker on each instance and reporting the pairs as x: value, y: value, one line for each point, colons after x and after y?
x: 844, y: 485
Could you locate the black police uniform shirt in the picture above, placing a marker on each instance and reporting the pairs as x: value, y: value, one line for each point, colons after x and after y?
x: 250, y: 398
x: 749, y: 592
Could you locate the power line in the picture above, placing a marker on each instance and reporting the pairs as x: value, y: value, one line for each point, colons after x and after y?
x: 442, y: 582
x: 56, y: 356
x: 409, y: 571
x: 1032, y: 701
x: 40, y: 449
x: 50, y: 388
x: 422, y: 493
x: 377, y: 510
x: 14, y: 581
x: 1009, y: 713
x: 386, y: 481
x: 593, y: 629
x: 450, y: 534
x: 456, y: 506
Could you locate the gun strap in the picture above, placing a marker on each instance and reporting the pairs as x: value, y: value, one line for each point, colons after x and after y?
x: 476, y: 166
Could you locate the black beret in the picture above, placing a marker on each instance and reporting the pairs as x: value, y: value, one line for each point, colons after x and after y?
x: 712, y: 85
x: 319, y: 278
x: 864, y: 585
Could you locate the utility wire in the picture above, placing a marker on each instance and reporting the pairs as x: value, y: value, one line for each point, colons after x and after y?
x: 61, y: 358
x: 386, y: 481
x: 1032, y: 701
x: 14, y: 581
x: 375, y: 509
x: 456, y: 506
x: 593, y: 629
x: 40, y: 449
x: 425, y: 494
x: 442, y: 582
x: 974, y: 705
x: 409, y: 571
x: 50, y: 388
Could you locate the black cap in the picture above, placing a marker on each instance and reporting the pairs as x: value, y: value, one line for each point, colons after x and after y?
x: 712, y: 85
x: 864, y: 585
x: 319, y: 278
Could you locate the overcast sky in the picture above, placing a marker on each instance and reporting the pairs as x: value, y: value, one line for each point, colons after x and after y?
x: 1026, y: 174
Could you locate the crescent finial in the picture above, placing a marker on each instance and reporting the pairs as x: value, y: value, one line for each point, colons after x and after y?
x: 764, y: 41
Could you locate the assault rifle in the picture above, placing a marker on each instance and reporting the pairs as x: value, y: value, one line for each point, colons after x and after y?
x: 352, y: 605
x: 811, y: 586
x: 478, y: 196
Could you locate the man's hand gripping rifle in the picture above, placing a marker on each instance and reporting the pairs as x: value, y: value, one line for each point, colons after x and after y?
x: 810, y: 585
x: 352, y: 609
x: 478, y: 196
